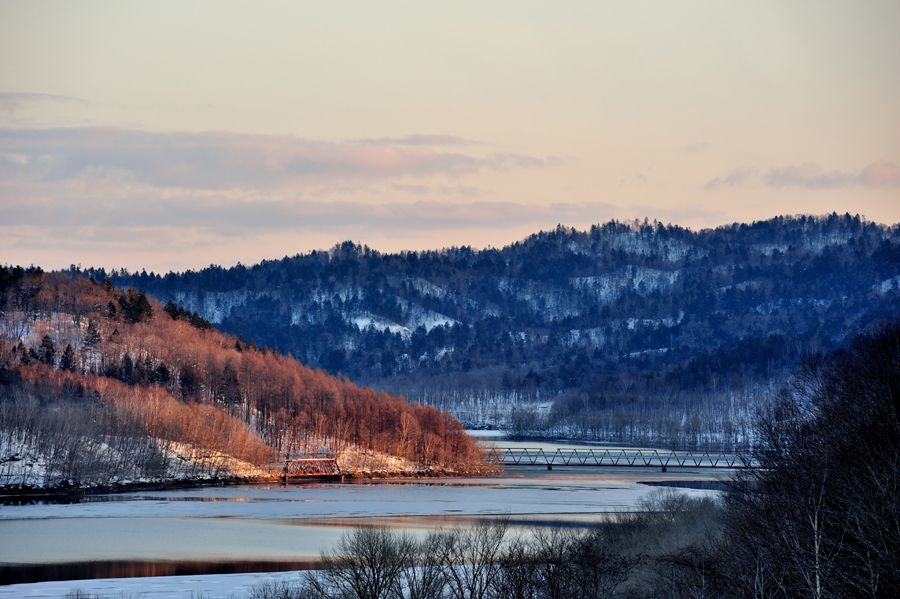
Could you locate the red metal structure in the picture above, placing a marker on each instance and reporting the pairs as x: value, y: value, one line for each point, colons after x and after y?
x: 312, y: 467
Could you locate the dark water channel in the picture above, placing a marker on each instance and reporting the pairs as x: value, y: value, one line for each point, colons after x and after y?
x: 25, y: 573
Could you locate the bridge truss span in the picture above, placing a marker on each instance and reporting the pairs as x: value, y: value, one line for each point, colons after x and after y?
x: 311, y: 467
x: 634, y: 458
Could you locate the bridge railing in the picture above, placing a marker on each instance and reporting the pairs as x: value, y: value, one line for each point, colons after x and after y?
x: 514, y: 456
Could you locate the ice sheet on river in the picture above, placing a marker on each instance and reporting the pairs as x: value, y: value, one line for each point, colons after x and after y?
x: 565, y: 491
x: 293, y: 522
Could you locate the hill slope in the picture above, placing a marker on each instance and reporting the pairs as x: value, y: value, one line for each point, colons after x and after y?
x: 104, y: 386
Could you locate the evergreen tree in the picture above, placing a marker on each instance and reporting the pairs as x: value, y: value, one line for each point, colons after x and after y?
x: 91, y: 336
x: 135, y: 306
x: 162, y: 374
x: 127, y: 369
x: 172, y: 310
x: 24, y: 354
x: 47, y: 351
x: 198, y: 322
x: 68, y: 361
x: 190, y: 382
x: 112, y: 368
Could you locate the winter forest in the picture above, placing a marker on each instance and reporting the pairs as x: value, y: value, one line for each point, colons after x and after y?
x: 637, y: 332
x: 102, y: 386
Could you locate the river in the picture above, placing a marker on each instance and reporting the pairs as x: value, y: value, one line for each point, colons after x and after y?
x: 280, y: 527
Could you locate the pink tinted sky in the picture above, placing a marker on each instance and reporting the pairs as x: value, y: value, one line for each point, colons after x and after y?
x: 170, y: 136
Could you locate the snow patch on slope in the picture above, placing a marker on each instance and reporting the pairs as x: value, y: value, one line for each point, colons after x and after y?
x: 365, y: 321
x: 644, y: 281
x: 888, y: 285
x: 646, y: 244
x: 416, y: 316
x: 216, y: 306
x: 552, y: 303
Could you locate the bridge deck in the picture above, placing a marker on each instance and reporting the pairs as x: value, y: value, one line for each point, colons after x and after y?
x: 515, y: 456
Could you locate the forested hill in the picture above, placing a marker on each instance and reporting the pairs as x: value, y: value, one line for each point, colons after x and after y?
x: 564, y: 310
x: 101, y: 385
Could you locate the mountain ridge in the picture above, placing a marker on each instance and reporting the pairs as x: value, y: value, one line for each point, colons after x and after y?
x: 559, y: 311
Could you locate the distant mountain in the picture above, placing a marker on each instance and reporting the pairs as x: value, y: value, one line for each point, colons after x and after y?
x: 563, y: 315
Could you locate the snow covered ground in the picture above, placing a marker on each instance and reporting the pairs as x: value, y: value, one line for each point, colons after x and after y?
x: 158, y: 587
x: 22, y: 463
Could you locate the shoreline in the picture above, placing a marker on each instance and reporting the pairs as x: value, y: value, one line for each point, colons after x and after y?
x: 15, y: 493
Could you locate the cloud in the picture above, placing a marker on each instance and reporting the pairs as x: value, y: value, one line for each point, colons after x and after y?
x: 419, y: 140
x: 736, y: 178
x: 412, y: 189
x: 507, y: 160
x: 697, y: 147
x: 224, y: 161
x: 11, y: 102
x: 459, y: 190
x: 880, y: 174
x: 227, y: 216
x: 809, y: 175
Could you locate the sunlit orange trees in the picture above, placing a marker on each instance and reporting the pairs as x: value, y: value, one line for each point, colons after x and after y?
x: 125, y: 348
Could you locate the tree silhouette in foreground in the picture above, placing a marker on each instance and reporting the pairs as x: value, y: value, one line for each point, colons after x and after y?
x: 821, y: 518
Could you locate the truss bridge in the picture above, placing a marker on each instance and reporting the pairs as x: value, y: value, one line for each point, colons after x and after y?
x: 311, y: 467
x: 632, y: 458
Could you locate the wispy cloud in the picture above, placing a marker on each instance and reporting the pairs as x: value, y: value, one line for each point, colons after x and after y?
x: 411, y: 189
x: 11, y: 102
x: 880, y: 174
x: 224, y: 161
x: 446, y: 190
x: 222, y: 214
x: 809, y: 175
x: 460, y: 190
x: 697, y: 147
x: 507, y: 160
x: 736, y: 178
x: 419, y: 140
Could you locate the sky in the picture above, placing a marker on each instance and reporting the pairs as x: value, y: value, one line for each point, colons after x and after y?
x: 170, y: 135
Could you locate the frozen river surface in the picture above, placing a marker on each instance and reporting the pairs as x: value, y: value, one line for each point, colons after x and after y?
x: 284, y: 524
